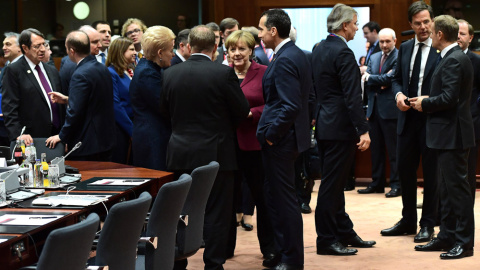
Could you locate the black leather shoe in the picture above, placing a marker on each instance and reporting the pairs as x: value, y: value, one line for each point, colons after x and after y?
x: 246, y: 226
x: 305, y: 208
x: 369, y: 190
x: 394, y: 192
x: 434, y: 245
x: 336, y: 249
x: 350, y: 185
x: 424, y: 235
x: 284, y: 266
x: 357, y: 242
x: 457, y: 252
x: 271, y: 260
x: 399, y: 229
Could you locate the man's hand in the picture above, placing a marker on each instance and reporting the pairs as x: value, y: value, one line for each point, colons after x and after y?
x: 364, y: 142
x: 52, y: 141
x: 416, y: 102
x: 57, y: 97
x: 250, y: 114
x: 269, y: 142
x: 27, y: 138
x: 401, y: 102
x: 365, y: 76
x: 363, y: 69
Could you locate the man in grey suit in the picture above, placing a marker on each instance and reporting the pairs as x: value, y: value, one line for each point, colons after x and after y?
x: 382, y: 114
x: 450, y: 133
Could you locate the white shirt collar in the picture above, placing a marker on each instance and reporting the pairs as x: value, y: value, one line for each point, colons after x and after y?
x: 202, y: 55
x: 279, y: 46
x: 465, y: 51
x: 32, y: 65
x: 446, y: 49
x: 180, y: 56
x: 427, y: 42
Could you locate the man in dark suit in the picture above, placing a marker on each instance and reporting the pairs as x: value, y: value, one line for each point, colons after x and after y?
x: 203, y: 127
x: 416, y: 62
x: 450, y: 134
x: 227, y: 26
x: 340, y: 125
x: 26, y: 84
x: 182, y: 53
x: 465, y: 36
x: 89, y: 117
x: 370, y: 32
x: 283, y: 133
x: 382, y: 114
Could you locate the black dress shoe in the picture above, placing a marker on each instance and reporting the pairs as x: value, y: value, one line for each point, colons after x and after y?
x: 399, y: 229
x: 246, y: 226
x: 457, y: 252
x: 336, y: 249
x: 305, y: 208
x: 394, y: 192
x: 357, y: 242
x: 424, y: 235
x: 350, y: 185
x: 271, y: 260
x: 434, y: 245
x: 284, y: 266
x: 369, y: 190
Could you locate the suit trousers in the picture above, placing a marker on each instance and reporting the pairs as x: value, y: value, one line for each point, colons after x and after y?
x: 383, y: 133
x: 472, y: 169
x: 281, y: 200
x: 457, y: 225
x: 331, y: 221
x: 411, y: 145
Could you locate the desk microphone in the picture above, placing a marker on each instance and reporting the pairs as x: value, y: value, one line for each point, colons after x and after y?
x: 73, y: 149
x: 13, y: 152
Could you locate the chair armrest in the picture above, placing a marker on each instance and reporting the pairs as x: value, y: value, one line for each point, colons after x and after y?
x: 93, y: 267
x: 153, y: 241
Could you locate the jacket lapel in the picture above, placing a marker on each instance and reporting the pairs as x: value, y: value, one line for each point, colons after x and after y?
x: 251, y: 73
x: 432, y: 59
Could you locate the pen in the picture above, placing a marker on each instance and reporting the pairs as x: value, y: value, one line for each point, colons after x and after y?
x: 133, y: 180
x: 42, y: 217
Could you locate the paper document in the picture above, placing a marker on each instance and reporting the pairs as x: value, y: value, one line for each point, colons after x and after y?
x: 28, y: 220
x: 71, y: 200
x: 119, y: 182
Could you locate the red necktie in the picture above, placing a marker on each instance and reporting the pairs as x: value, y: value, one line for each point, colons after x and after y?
x: 384, y: 57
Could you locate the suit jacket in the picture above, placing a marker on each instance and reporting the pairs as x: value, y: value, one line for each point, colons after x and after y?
x: 252, y: 89
x: 287, y: 83
x: 24, y: 102
x: 221, y: 52
x: 337, y: 82
x: 175, y: 60
x: 375, y: 50
x: 261, y: 56
x: 402, y: 75
x: 449, y: 121
x: 474, y: 106
x: 67, y: 67
x: 90, y: 117
x: 121, y: 101
x: 204, y: 102
x: 387, y: 107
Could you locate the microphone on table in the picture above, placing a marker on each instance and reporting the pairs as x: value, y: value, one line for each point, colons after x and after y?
x: 13, y: 152
x: 73, y: 149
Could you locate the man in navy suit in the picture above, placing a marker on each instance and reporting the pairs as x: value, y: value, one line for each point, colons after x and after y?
x: 90, y: 117
x: 382, y: 114
x: 283, y: 133
x: 341, y: 125
x: 182, y: 53
x: 465, y: 36
x: 416, y: 62
x: 450, y: 134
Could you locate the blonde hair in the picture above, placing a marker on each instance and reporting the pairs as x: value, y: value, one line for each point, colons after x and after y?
x: 116, y: 55
x: 242, y: 35
x: 156, y: 38
x: 129, y: 21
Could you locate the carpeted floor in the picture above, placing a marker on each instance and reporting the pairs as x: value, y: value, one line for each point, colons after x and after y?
x: 370, y: 213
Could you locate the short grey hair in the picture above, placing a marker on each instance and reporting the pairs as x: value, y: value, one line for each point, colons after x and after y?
x: 12, y: 34
x: 293, y: 34
x: 340, y: 14
x: 388, y: 31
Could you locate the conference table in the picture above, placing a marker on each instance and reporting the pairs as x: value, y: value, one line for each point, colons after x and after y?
x: 21, y: 245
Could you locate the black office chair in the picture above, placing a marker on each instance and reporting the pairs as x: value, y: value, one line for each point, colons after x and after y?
x: 5, y: 152
x: 40, y: 146
x: 162, y: 224
x: 117, y: 245
x: 190, y: 234
x: 68, y: 247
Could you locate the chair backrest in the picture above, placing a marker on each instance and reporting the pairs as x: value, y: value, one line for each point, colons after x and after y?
x: 117, y: 245
x: 5, y: 152
x: 40, y: 146
x: 163, y: 223
x: 189, y: 238
x: 69, y: 247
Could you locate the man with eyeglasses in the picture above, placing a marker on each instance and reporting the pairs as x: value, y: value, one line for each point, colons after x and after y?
x: 26, y: 84
x: 133, y: 29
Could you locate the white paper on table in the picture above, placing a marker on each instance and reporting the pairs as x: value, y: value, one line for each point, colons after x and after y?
x: 119, y: 182
x: 27, y: 220
x: 3, y: 162
x: 3, y: 240
x: 71, y: 200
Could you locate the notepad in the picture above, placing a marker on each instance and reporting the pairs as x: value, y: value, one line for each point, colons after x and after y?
x: 119, y: 182
x: 27, y: 220
x: 71, y: 200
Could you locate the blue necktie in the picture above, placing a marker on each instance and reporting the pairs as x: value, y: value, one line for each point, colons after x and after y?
x: 103, y: 57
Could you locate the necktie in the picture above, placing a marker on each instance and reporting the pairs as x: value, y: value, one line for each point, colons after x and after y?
x: 103, y: 57
x: 370, y: 49
x: 413, y: 86
x: 384, y: 57
x: 46, y: 86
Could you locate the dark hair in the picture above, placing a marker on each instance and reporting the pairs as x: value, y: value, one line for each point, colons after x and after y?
x: 79, y: 44
x: 26, y: 37
x: 96, y: 23
x: 213, y: 26
x: 279, y: 19
x: 182, y: 37
x: 116, y: 55
x: 372, y: 26
x: 201, y: 39
x: 417, y: 7
x: 228, y: 23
